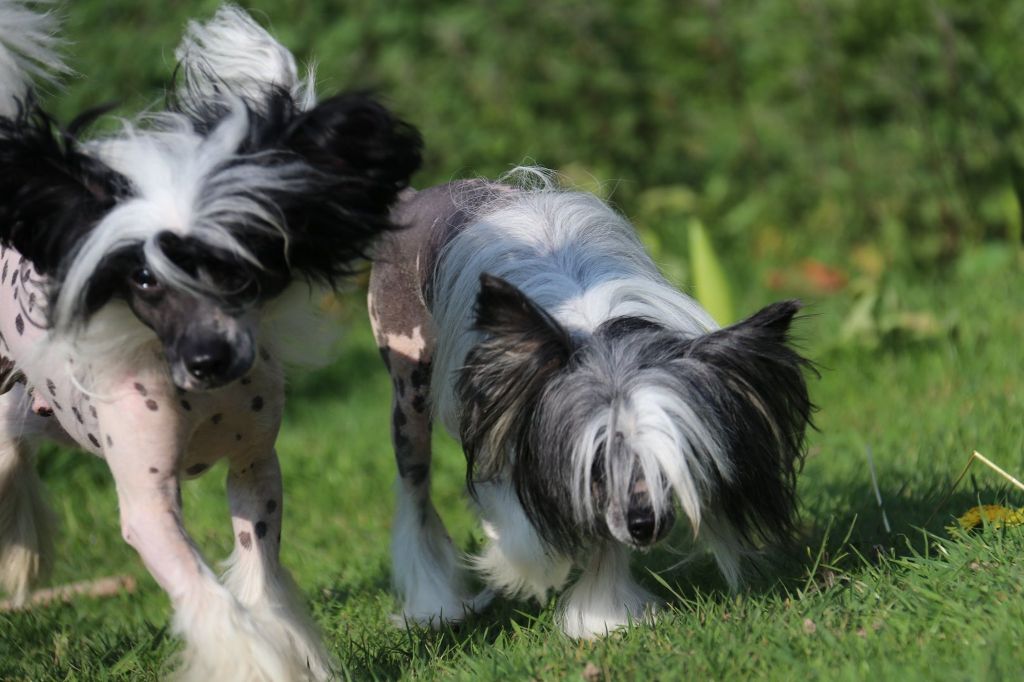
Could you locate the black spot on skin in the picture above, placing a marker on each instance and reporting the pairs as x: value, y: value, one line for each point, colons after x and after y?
x: 3, y: 276
x: 415, y: 473
x: 31, y: 301
x: 110, y: 441
x: 19, y: 324
x: 419, y: 403
x: 421, y: 375
x: 238, y: 436
x: 93, y: 440
x: 52, y: 387
x: 185, y: 406
x: 271, y: 506
x: 257, y: 403
x: 279, y: 538
x: 216, y: 419
x: 245, y: 539
x: 400, y: 386
x: 261, y: 529
x: 92, y: 411
x: 398, y: 420
x: 264, y: 354
x: 140, y: 388
x: 246, y: 381
x: 154, y: 470
x: 385, y: 355
x: 196, y: 469
x: 57, y: 406
x: 78, y: 415
x: 151, y: 404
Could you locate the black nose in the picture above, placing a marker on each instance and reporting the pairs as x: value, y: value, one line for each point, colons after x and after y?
x: 641, y: 523
x: 209, y: 359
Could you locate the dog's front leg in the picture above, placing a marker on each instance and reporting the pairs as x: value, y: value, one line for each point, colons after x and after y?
x: 605, y: 597
x: 255, y: 575
x: 143, y: 439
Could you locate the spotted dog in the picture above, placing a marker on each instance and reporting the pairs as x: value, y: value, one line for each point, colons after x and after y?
x: 592, y: 399
x: 153, y: 283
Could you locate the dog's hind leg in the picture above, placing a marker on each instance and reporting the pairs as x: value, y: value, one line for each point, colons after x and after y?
x: 605, y: 597
x: 426, y: 568
x: 26, y: 522
x: 255, y: 574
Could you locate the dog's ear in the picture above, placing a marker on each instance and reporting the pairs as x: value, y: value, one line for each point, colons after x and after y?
x: 749, y: 383
x: 505, y: 374
x: 51, y: 192
x: 361, y: 156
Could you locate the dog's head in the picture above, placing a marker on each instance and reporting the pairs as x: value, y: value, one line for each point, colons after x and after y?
x: 605, y: 434
x: 196, y: 227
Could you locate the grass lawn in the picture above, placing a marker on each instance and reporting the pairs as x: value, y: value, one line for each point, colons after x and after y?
x: 848, y: 601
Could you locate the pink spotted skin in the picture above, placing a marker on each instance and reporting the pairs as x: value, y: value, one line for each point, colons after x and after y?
x: 185, y: 432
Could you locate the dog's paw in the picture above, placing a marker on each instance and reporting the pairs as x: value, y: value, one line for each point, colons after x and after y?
x: 224, y: 641
x: 439, y: 615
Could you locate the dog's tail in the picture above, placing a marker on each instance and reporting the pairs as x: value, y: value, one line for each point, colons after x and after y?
x: 26, y: 521
x: 28, y: 51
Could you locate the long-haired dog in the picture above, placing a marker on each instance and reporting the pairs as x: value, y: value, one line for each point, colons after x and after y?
x: 591, y: 398
x: 152, y: 284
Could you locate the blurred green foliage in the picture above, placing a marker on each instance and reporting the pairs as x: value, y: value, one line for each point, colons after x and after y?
x: 790, y: 128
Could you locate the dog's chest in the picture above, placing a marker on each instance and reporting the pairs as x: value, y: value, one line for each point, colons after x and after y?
x: 203, y: 427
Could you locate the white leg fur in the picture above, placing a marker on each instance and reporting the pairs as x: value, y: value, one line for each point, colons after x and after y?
x: 515, y: 562
x: 225, y: 641
x: 26, y: 522
x: 605, y: 597
x: 426, y: 570
x: 256, y: 577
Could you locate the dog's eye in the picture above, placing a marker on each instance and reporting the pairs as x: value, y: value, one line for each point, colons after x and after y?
x: 144, y: 280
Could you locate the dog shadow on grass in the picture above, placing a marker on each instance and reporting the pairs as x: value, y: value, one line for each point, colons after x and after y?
x: 831, y: 545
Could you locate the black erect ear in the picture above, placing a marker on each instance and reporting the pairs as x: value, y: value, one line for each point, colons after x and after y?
x: 51, y: 192
x: 365, y: 156
x: 753, y: 388
x: 505, y: 373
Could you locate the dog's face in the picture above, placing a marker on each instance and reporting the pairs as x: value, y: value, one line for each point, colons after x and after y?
x: 196, y: 224
x: 607, y: 434
x: 206, y: 343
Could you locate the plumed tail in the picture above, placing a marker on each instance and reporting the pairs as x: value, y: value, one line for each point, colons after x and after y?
x: 28, y: 51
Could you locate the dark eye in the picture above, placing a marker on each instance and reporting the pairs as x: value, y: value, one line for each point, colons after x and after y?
x: 144, y: 280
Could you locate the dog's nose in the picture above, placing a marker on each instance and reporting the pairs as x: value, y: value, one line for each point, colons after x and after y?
x: 641, y: 523
x: 209, y: 359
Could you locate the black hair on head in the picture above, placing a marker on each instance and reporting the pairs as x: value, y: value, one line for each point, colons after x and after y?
x: 753, y: 387
x: 51, y: 191
x: 359, y: 154
x: 504, y: 375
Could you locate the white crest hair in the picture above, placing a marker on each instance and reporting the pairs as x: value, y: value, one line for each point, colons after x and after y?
x: 183, y: 183
x: 231, y: 53
x: 28, y: 50
x: 571, y: 253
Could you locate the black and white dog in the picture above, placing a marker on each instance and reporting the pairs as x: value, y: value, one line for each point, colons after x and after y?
x: 152, y: 285
x: 591, y: 398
